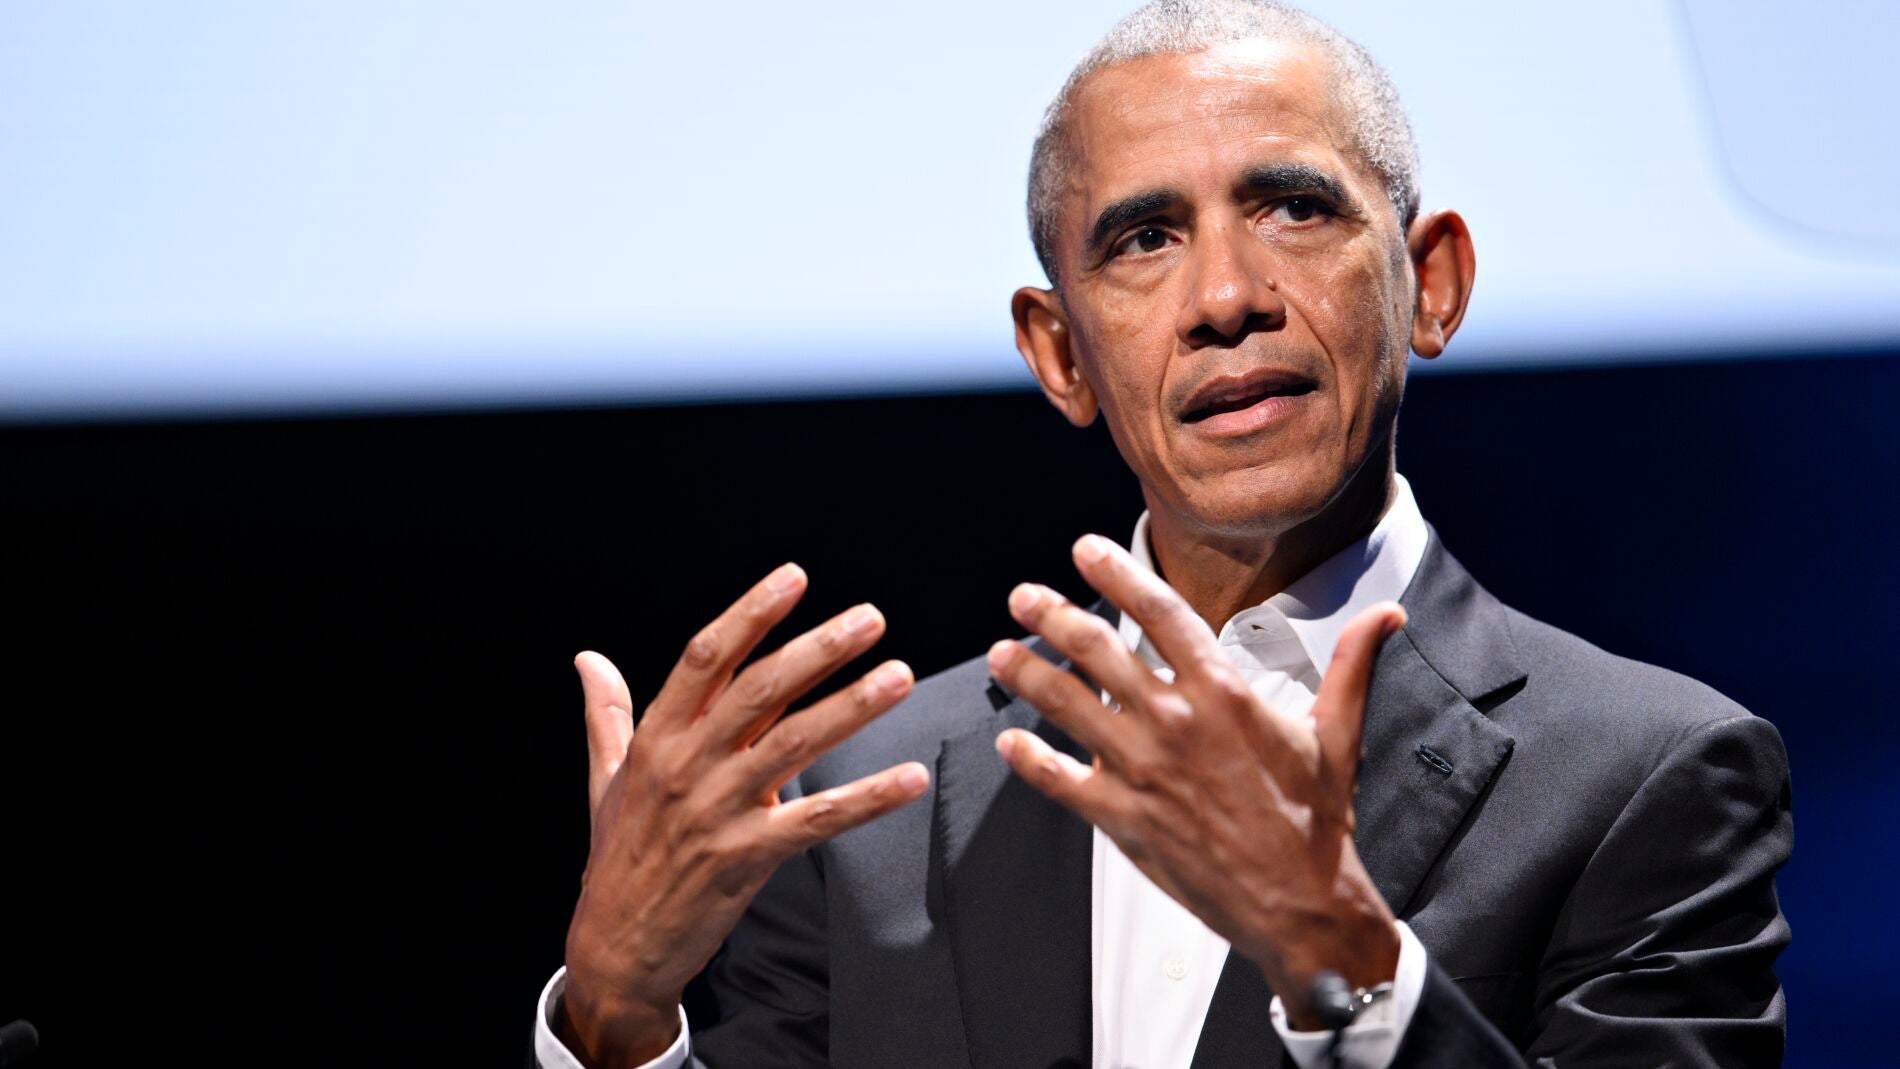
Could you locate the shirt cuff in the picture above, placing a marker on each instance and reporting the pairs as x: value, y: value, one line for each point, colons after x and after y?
x: 551, y: 1053
x: 1372, y: 1039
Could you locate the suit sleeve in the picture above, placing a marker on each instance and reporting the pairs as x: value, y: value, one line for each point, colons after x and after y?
x: 765, y: 998
x: 1664, y: 952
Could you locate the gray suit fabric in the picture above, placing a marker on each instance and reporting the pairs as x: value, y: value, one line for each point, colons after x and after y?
x: 1584, y: 844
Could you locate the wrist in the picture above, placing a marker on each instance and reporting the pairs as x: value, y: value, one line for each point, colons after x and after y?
x: 1364, y: 954
x: 606, y: 1032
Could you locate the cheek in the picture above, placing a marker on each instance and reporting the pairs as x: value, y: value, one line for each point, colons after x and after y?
x: 1348, y: 306
x: 1127, y: 363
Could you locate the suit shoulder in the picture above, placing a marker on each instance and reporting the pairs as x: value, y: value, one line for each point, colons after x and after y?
x: 1575, y: 686
x: 941, y: 706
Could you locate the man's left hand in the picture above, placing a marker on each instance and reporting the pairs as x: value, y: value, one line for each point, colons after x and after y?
x: 1241, y: 813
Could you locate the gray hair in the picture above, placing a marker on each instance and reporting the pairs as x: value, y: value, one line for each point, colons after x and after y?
x: 1361, y: 88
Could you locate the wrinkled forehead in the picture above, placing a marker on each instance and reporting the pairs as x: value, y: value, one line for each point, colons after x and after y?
x: 1185, y: 120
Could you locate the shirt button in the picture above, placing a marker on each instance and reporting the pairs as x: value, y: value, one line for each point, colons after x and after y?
x: 1174, y: 969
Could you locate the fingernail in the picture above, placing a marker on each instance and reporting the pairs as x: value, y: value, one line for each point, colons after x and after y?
x: 1006, y: 744
x: 912, y: 778
x: 784, y: 579
x: 1393, y: 623
x: 1024, y: 597
x: 1090, y: 548
x: 999, y: 654
x: 860, y: 619
x: 890, y: 677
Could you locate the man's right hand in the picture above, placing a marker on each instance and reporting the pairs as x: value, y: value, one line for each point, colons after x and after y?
x: 687, y: 824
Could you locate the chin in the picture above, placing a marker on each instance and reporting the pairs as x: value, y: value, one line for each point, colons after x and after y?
x: 1259, y: 502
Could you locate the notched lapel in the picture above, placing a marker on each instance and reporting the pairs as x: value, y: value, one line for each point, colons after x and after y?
x: 1428, y: 755
x: 1015, y: 870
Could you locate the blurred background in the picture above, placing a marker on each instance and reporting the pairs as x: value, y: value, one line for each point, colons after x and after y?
x: 361, y: 362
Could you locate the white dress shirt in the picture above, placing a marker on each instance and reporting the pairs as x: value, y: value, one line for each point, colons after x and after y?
x: 1154, y: 965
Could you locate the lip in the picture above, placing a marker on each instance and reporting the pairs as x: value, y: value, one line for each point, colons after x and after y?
x: 1251, y: 402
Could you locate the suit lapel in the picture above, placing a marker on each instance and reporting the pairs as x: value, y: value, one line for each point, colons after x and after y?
x: 1015, y: 871
x: 1428, y: 754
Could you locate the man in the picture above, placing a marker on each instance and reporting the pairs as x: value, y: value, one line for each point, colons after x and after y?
x: 1296, y: 743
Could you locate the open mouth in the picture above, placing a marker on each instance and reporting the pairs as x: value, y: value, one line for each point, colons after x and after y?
x: 1246, y: 394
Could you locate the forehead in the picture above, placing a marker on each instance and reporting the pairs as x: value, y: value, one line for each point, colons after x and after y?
x: 1168, y: 120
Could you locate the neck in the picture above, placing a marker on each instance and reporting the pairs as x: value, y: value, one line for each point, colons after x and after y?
x: 1221, y: 573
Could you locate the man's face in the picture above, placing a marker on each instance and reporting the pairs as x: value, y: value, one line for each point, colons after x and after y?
x: 1236, y: 284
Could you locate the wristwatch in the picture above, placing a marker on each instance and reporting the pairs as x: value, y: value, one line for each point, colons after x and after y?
x: 1336, y: 1005
x: 1363, y: 998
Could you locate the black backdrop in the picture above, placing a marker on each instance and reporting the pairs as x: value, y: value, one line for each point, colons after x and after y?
x: 291, y: 765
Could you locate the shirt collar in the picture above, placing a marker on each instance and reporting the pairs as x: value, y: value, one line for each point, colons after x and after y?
x: 1317, y: 606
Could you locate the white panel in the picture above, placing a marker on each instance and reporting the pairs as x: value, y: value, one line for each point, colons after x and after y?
x: 287, y: 205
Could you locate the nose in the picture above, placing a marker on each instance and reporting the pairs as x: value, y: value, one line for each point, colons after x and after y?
x: 1231, y: 292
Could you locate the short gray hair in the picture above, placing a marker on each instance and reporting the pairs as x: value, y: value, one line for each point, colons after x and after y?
x: 1170, y: 27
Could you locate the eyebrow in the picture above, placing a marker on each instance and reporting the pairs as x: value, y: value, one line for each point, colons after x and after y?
x: 1295, y: 178
x: 1121, y: 213
x: 1269, y: 178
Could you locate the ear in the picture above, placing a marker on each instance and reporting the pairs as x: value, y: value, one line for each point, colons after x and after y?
x: 1042, y: 336
x: 1440, y: 248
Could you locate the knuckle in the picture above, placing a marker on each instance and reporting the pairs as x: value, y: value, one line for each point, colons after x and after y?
x: 1154, y: 604
x: 759, y: 687
x: 759, y: 613
x: 791, y: 737
x: 673, y: 775
x: 695, y: 825
x: 730, y: 850
x: 825, y: 816
x: 1141, y: 771
x: 1089, y: 639
x: 832, y: 641
x: 702, y: 651
x: 1171, y: 711
x: 1173, y: 737
x: 867, y: 698
x: 1053, y: 769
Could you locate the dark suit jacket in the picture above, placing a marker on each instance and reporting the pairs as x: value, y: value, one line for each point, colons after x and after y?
x: 1584, y: 844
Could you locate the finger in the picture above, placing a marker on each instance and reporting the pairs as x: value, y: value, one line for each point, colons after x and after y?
x: 1087, y: 640
x: 711, y: 656
x: 1179, y: 635
x: 609, y: 712
x: 808, y: 821
x: 1065, y: 701
x: 1339, y: 710
x: 1066, y: 781
x: 797, y: 741
x: 760, y: 694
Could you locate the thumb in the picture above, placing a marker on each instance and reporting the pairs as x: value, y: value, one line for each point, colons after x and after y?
x: 1339, y: 711
x: 609, y: 714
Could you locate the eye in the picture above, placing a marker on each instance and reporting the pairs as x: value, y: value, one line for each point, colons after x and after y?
x: 1303, y: 209
x: 1146, y: 239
